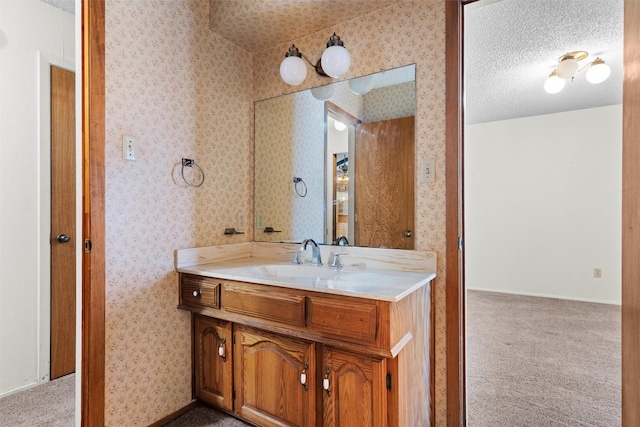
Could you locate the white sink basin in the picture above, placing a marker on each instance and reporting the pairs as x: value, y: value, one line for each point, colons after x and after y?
x: 296, y: 271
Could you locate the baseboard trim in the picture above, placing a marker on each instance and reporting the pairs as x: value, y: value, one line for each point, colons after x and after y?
x: 174, y: 415
x: 531, y: 294
x: 21, y: 388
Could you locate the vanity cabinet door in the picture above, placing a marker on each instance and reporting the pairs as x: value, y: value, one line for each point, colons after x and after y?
x: 274, y: 378
x: 213, y: 362
x: 354, y: 390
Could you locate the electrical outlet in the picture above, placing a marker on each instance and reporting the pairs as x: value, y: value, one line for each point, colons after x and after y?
x: 597, y: 273
x: 259, y: 221
x: 242, y: 220
x: 128, y: 148
x: 427, y: 171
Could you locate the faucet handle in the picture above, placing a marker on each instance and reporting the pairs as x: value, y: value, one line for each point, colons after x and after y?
x: 336, y: 259
x: 296, y: 257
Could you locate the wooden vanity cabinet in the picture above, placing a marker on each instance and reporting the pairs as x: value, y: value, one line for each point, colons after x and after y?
x: 274, y: 378
x: 354, y: 389
x: 284, y: 357
x: 213, y: 365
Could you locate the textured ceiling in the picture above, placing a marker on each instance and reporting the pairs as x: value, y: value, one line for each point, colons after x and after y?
x: 66, y: 5
x: 511, y: 46
x: 257, y: 24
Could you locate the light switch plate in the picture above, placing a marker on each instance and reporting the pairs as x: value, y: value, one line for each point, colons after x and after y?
x: 242, y: 221
x: 128, y: 148
x: 427, y: 171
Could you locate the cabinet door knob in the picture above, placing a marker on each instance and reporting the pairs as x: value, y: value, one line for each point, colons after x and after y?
x: 325, y: 381
x: 222, y: 350
x: 408, y: 233
x: 196, y: 293
x: 63, y: 238
x: 303, y: 376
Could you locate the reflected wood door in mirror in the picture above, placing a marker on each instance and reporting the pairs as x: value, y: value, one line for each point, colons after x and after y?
x: 384, y: 190
x: 63, y: 225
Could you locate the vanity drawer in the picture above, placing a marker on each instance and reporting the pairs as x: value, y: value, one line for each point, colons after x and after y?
x: 350, y: 318
x: 199, y: 291
x: 264, y: 302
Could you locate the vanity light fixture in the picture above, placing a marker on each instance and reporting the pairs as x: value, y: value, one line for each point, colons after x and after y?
x: 322, y: 93
x: 362, y: 85
x: 335, y: 62
x: 569, y: 66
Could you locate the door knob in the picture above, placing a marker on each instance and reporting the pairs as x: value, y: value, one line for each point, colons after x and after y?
x: 408, y: 233
x: 63, y: 238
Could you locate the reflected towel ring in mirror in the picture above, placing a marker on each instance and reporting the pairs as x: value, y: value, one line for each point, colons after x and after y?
x: 190, y: 163
x: 300, y: 186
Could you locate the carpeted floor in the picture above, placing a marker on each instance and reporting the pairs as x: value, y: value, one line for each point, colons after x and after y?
x: 542, y: 362
x: 51, y: 404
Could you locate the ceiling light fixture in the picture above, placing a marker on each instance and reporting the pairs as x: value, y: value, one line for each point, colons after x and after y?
x: 598, y: 71
x: 335, y: 62
x: 554, y: 84
x: 569, y: 66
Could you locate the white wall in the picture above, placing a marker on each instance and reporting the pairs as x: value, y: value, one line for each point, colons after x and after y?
x: 28, y: 28
x: 543, y: 205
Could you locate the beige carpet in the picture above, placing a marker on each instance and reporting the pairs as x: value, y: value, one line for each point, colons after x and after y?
x: 542, y: 362
x: 51, y: 404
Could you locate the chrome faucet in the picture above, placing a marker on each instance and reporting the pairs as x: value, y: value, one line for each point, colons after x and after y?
x: 316, y: 259
x: 342, y: 241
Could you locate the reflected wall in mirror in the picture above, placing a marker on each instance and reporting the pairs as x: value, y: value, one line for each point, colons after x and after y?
x: 338, y: 161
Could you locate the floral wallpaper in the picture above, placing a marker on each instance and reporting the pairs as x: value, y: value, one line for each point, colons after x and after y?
x: 391, y: 102
x: 168, y: 86
x: 409, y: 32
x: 290, y: 131
x: 184, y: 92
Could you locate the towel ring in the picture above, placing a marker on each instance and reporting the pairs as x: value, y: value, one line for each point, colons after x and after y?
x: 190, y: 163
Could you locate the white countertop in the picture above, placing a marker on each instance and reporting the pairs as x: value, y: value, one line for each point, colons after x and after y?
x: 357, y: 281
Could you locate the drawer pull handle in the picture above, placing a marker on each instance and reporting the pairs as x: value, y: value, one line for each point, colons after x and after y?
x: 303, y: 376
x: 196, y: 293
x: 325, y: 381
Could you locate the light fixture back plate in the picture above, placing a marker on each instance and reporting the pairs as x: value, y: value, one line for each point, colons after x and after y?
x: 578, y: 55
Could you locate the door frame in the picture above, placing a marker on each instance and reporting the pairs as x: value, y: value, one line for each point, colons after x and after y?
x: 454, y: 280
x: 93, y: 286
x: 92, y: 358
x: 45, y: 62
x: 455, y: 286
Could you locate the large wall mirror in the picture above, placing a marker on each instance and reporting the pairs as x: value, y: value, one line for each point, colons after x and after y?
x: 336, y: 163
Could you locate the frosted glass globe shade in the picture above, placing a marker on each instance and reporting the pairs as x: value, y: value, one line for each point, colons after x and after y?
x: 335, y: 61
x: 293, y: 70
x: 339, y: 125
x: 554, y: 84
x: 323, y: 93
x: 361, y: 85
x: 598, y: 73
x: 567, y: 68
